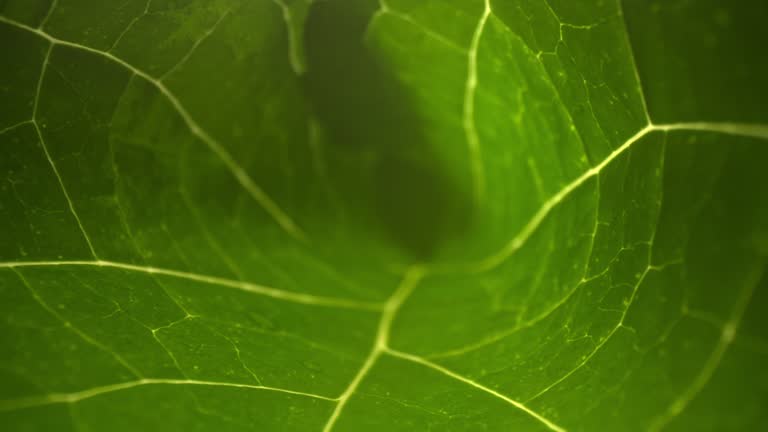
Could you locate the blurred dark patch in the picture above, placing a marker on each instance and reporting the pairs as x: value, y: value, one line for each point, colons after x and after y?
x: 369, y: 117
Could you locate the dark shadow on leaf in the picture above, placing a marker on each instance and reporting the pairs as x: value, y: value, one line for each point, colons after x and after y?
x: 381, y: 160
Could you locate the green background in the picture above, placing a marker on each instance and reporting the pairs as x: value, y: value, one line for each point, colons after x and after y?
x: 434, y: 215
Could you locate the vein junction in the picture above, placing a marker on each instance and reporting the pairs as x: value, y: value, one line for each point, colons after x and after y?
x: 254, y: 190
x: 759, y: 131
x: 381, y: 346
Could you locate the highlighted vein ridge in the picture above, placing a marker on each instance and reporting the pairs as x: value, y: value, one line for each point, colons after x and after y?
x: 245, y: 180
x: 291, y: 296
x: 56, y: 398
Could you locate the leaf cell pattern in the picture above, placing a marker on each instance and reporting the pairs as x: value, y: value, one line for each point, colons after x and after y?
x: 191, y: 243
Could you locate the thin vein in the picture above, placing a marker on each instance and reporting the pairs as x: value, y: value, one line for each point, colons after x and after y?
x: 600, y: 345
x: 727, y: 336
x: 48, y: 14
x: 522, y: 237
x: 294, y: 56
x: 381, y: 10
x: 84, y: 336
x: 69, y: 398
x: 468, y: 119
x: 633, y: 61
x: 258, y: 194
x: 35, y: 105
x: 546, y: 313
x: 203, y: 228
x: 752, y: 130
x: 276, y: 293
x: 437, y: 37
x: 391, y: 307
x: 448, y: 372
x: 650, y: 266
x: 194, y: 47
x: 130, y: 26
x: 14, y: 126
x: 520, y: 326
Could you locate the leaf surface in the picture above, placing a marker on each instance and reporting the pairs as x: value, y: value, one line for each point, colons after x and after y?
x: 399, y: 216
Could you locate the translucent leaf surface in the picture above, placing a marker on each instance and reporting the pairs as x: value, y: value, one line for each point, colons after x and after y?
x: 351, y: 215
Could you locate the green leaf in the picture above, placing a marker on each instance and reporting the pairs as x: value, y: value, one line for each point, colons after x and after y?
x: 454, y: 215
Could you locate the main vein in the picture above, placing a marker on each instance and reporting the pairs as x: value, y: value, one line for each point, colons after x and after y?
x: 381, y: 346
x: 454, y: 375
x: 409, y: 282
x: 759, y: 131
x: 295, y: 297
x: 54, y: 398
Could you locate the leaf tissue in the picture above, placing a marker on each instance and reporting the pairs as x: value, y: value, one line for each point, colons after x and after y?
x: 383, y: 215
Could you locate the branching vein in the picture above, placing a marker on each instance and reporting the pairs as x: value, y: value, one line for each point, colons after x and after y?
x: 737, y: 129
x: 35, y: 105
x: 294, y: 54
x: 381, y: 346
x: 255, y: 191
x: 437, y: 367
x: 413, y: 276
x: 403, y: 291
x: 529, y: 228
